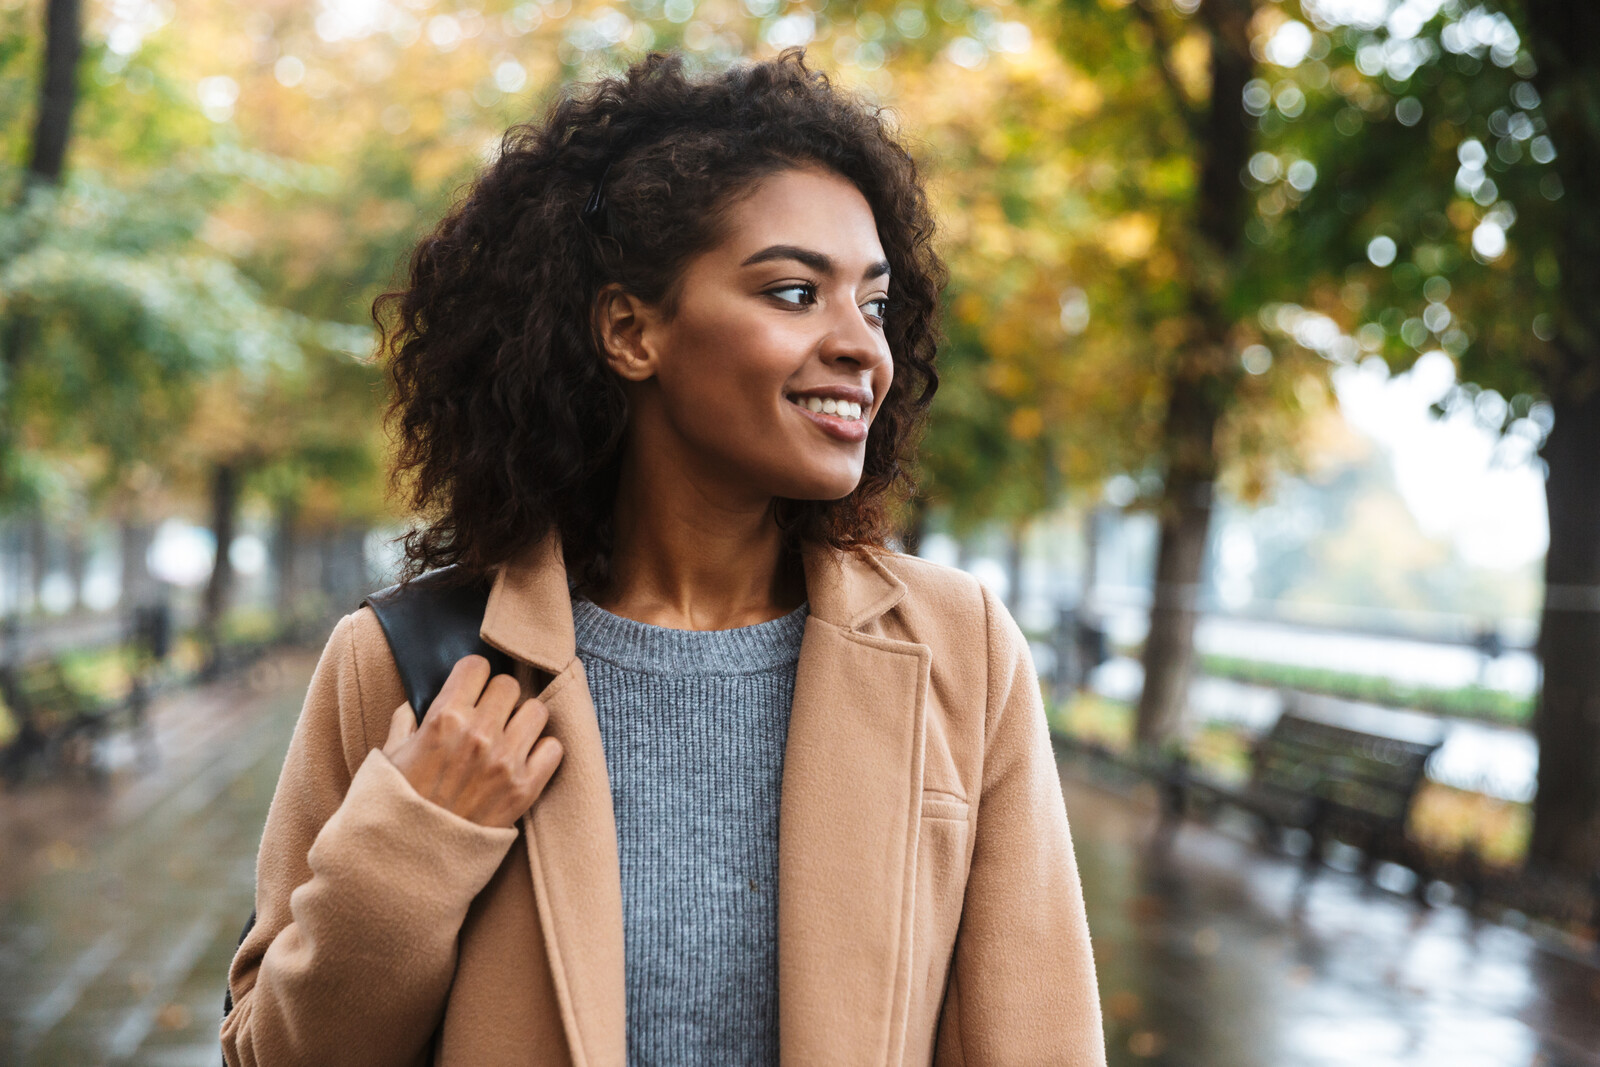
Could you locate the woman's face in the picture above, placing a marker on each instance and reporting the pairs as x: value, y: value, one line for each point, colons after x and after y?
x: 785, y: 316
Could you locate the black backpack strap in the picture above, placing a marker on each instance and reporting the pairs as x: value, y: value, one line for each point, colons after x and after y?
x: 430, y: 623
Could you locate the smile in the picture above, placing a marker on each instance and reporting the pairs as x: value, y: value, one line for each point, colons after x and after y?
x: 841, y: 409
x: 837, y: 416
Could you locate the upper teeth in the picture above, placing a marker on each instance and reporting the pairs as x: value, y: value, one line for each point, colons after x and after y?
x: 844, y: 409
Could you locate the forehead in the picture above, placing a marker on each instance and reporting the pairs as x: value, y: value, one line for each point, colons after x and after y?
x: 809, y: 207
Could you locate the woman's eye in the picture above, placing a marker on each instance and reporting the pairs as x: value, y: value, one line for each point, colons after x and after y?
x: 882, y: 305
x: 810, y: 292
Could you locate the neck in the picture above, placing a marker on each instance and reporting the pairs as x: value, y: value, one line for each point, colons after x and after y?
x: 690, y: 554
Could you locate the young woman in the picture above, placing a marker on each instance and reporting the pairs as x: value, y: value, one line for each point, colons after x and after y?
x: 758, y: 789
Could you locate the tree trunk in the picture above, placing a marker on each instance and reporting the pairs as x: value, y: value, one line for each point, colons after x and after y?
x: 134, y: 538
x: 38, y: 560
x: 1203, y: 377
x: 1180, y: 558
x: 77, y: 550
x: 224, y: 506
x: 285, y: 545
x: 58, y: 90
x: 1566, y: 809
x: 47, y: 156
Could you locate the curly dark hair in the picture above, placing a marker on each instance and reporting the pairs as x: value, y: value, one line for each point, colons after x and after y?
x: 508, y: 421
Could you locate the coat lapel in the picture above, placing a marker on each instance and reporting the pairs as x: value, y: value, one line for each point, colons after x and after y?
x: 571, y: 831
x: 577, y: 881
x: 847, y: 839
x: 848, y: 818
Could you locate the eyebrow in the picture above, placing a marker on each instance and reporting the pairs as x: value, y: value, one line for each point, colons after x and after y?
x: 817, y: 261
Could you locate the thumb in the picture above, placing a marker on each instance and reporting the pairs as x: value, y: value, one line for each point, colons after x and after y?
x: 402, y: 724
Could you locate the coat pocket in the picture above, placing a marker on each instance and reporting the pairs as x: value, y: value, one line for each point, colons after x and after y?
x: 937, y: 804
x: 943, y: 858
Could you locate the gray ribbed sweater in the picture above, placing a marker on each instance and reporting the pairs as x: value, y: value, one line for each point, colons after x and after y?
x: 694, y: 724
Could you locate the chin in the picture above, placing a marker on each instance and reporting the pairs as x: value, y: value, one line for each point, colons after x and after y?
x: 819, y: 488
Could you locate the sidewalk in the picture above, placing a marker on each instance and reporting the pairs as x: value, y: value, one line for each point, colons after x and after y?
x: 122, y: 907
x: 1205, y: 961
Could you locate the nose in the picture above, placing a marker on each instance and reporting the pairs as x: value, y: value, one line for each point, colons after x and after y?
x: 851, y: 339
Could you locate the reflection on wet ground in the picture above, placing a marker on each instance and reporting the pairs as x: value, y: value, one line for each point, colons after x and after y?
x: 1207, y: 959
x: 116, y: 935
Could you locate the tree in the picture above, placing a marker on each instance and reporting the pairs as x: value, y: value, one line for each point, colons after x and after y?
x: 1179, y: 285
x: 1566, y: 827
x: 1453, y: 157
x: 1207, y: 368
x: 58, y: 89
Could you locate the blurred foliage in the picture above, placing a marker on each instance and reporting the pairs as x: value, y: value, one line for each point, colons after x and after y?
x: 99, y: 676
x: 1093, y: 719
x: 248, y: 626
x: 244, y: 181
x: 1424, y: 201
x: 1448, y: 822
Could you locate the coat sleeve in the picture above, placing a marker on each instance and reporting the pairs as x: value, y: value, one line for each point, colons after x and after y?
x: 1022, y: 983
x: 361, y: 889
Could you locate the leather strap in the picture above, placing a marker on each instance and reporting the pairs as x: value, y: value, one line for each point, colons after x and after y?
x: 431, y: 623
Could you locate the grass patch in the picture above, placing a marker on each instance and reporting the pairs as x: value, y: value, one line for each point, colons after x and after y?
x: 1448, y: 821
x: 98, y: 675
x: 1466, y: 702
x: 1094, y: 719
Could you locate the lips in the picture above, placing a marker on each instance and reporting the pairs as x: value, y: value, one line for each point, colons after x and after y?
x: 848, y: 424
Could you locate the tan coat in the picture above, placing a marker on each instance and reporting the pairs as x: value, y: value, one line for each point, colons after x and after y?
x: 929, y: 909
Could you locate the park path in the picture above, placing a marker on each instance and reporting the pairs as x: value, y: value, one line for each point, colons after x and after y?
x: 1207, y: 957
x: 116, y: 935
x: 115, y: 945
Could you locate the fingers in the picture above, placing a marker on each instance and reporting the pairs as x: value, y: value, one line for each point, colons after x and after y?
x: 526, y: 726
x: 466, y: 681
x: 486, y: 761
x: 542, y: 763
x: 499, y: 699
x: 402, y: 724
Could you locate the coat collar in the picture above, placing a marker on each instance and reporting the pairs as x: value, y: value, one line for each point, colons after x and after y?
x: 529, y: 614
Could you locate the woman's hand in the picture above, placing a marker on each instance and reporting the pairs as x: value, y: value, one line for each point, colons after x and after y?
x: 478, y: 753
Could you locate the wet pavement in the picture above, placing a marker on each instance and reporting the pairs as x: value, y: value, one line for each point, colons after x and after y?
x: 1208, y: 957
x: 120, y: 909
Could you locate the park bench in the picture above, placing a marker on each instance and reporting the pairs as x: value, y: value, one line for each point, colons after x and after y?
x: 57, y: 724
x: 1333, y: 782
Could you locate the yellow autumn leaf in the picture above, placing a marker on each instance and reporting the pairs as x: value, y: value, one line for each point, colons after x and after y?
x: 1191, y: 62
x: 1129, y: 237
x: 1006, y: 379
x: 969, y: 307
x: 1083, y: 97
x: 1026, y: 424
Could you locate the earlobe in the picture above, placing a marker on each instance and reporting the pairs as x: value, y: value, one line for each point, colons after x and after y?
x: 620, y: 321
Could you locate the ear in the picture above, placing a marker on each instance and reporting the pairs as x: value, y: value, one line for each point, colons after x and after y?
x: 622, y: 323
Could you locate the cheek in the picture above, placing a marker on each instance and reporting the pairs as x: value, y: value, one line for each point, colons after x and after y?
x: 726, y: 381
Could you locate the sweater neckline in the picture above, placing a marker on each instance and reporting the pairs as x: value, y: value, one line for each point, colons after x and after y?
x: 663, y: 649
